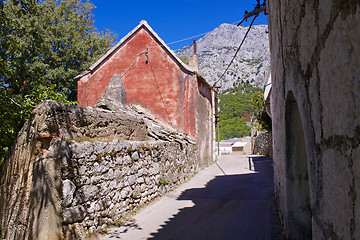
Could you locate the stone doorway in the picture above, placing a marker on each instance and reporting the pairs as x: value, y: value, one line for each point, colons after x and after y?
x: 298, y: 212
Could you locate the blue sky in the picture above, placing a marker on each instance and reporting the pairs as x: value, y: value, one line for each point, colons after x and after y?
x: 172, y: 20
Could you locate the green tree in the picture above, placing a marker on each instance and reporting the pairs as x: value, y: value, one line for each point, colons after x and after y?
x: 233, y: 128
x: 263, y: 119
x: 235, y: 108
x: 44, y: 44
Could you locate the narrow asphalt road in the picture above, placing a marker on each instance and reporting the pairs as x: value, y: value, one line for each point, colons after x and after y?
x: 228, y: 200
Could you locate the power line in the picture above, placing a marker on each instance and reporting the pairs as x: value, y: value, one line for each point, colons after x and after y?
x: 201, y: 34
x: 188, y: 38
x: 147, y: 48
x: 237, y: 50
x: 137, y: 56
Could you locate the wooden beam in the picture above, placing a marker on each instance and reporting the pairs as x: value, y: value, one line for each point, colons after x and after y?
x: 252, y: 13
x: 256, y: 11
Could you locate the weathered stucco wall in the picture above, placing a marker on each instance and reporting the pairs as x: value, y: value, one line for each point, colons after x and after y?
x: 204, y: 126
x: 153, y: 80
x: 74, y: 170
x: 315, y: 59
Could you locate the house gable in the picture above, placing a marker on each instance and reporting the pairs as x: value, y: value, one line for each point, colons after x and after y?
x: 143, y: 25
x: 152, y: 76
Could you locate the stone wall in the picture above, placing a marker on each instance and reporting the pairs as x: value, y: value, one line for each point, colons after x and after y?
x: 104, y: 181
x: 262, y: 144
x: 74, y: 170
x: 315, y: 59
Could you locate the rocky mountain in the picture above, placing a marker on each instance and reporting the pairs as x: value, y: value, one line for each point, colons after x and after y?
x: 217, y: 48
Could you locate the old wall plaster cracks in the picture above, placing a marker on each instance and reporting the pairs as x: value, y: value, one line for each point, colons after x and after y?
x: 315, y: 54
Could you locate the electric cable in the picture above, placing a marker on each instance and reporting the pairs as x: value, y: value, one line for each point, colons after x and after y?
x: 221, y: 77
x: 188, y: 38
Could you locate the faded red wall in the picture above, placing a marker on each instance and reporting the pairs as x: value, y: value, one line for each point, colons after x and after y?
x: 155, y: 81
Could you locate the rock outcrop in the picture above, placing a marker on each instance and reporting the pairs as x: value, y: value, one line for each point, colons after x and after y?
x: 217, y: 48
x: 114, y: 96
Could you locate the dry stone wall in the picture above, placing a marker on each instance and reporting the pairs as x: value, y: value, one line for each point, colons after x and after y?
x: 263, y: 144
x: 74, y: 170
x: 104, y: 181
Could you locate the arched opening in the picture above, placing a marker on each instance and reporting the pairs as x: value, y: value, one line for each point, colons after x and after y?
x: 297, y: 182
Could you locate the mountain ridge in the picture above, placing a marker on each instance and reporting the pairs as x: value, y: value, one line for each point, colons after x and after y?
x: 217, y: 48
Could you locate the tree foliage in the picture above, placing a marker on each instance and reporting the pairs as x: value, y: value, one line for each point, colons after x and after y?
x: 236, y: 107
x: 263, y: 120
x: 44, y: 44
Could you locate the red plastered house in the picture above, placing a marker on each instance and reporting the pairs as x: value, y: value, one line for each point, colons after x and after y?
x: 155, y: 78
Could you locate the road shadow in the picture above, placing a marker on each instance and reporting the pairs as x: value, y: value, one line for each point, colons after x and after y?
x: 229, y: 207
x: 116, y: 233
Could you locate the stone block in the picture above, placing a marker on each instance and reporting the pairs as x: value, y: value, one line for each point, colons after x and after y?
x: 144, y: 187
x: 86, y: 193
x: 140, y: 180
x: 135, y: 168
x: 135, y: 156
x: 83, y: 170
x: 92, y: 207
x: 126, y: 171
x: 95, y: 168
x: 96, y: 179
x: 125, y: 192
x: 68, y: 192
x: 99, y: 147
x: 136, y: 193
x: 132, y: 180
x: 117, y: 173
x: 74, y: 214
x: 140, y: 172
x: 119, y: 160
x: 127, y: 160
x: 110, y: 174
x: 117, y: 197
x: 78, y: 150
x: 113, y: 184
x: 155, y: 169
x: 104, y: 188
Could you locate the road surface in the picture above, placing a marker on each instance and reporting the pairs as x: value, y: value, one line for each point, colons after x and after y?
x: 228, y: 200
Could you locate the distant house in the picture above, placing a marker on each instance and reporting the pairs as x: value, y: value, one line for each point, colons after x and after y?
x: 238, y: 147
x: 225, y: 148
x: 155, y: 78
x: 235, y: 146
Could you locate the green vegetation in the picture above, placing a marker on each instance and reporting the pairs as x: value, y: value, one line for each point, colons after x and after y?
x: 263, y: 120
x: 163, y: 182
x: 236, y: 108
x: 44, y: 44
x: 184, y: 59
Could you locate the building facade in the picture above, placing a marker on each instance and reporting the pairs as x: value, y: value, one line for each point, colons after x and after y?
x: 155, y: 78
x: 315, y: 102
